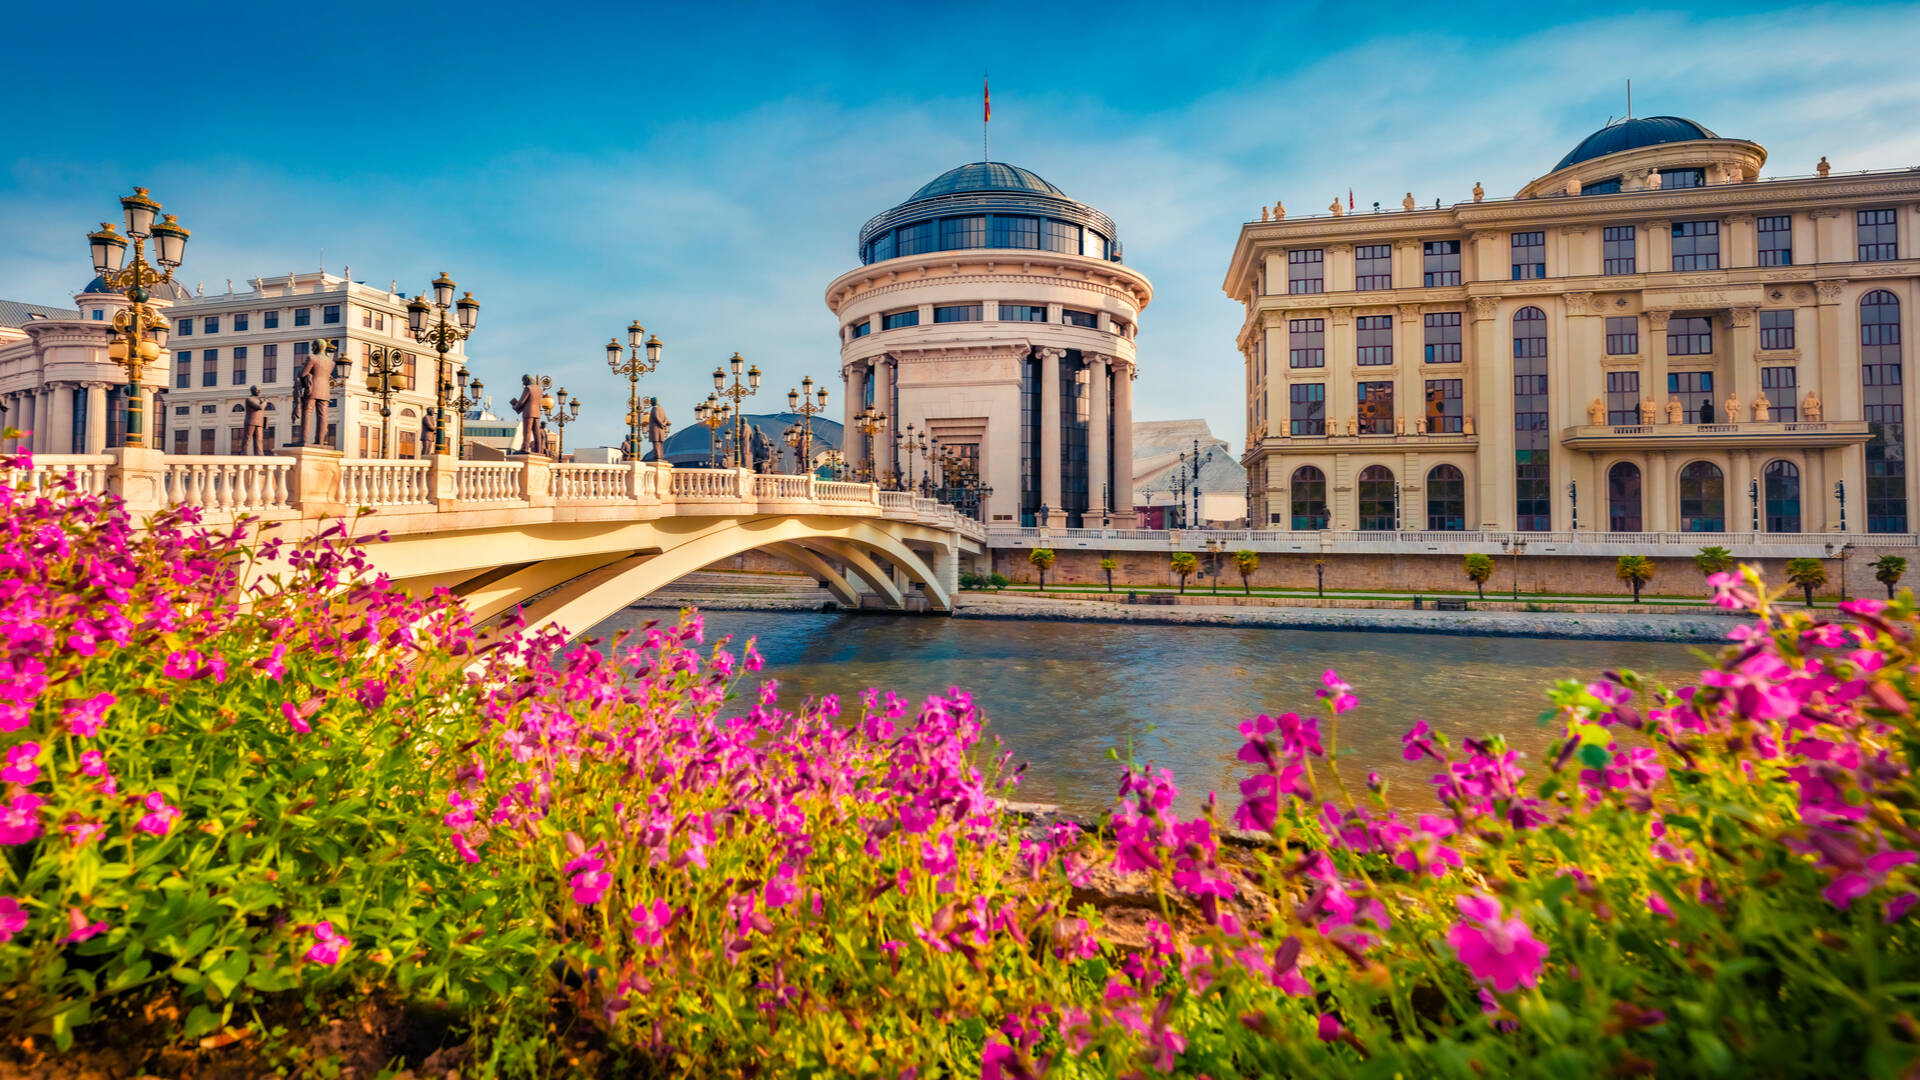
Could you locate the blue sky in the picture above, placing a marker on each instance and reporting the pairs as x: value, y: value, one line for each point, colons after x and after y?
x: 705, y: 167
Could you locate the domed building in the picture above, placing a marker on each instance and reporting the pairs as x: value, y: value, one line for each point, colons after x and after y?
x: 993, y: 313
x: 1647, y: 339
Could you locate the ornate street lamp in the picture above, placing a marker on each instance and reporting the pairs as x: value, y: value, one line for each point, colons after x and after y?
x: 870, y: 422
x: 428, y: 324
x: 633, y: 368
x: 802, y: 402
x: 139, y: 334
x: 563, y: 412
x: 386, y: 375
x: 738, y: 393
x: 713, y: 414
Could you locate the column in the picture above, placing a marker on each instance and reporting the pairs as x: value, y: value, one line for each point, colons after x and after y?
x: 1743, y: 338
x: 883, y: 401
x: 1739, y: 505
x: 1099, y: 488
x: 97, y: 419
x: 1122, y: 380
x: 1653, y: 343
x: 856, y: 391
x: 1657, y: 484
x: 1493, y: 414
x: 61, y: 426
x: 1577, y: 363
x: 1050, y: 430
x: 12, y: 420
x: 1343, y: 397
x: 29, y: 422
x: 1659, y: 250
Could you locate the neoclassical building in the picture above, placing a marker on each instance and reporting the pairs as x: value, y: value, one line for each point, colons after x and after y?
x: 1648, y: 338
x: 994, y: 313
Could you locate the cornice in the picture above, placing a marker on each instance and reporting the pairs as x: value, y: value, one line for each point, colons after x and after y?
x: 911, y: 284
x: 1119, y: 280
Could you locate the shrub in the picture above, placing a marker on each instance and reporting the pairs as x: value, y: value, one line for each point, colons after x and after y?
x: 1635, y: 570
x: 1479, y: 568
x: 998, y: 580
x: 971, y: 580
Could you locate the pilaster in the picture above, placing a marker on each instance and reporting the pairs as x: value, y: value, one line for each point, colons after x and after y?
x: 1099, y: 483
x: 314, y: 486
x: 536, y: 479
x: 138, y: 476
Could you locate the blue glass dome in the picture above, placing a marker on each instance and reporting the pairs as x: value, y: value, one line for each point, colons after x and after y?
x: 985, y: 176
x: 1633, y: 134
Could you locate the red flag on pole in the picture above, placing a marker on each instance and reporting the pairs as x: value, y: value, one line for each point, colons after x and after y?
x: 1349, y: 198
x: 986, y: 96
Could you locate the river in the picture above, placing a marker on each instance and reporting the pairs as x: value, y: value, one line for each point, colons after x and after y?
x: 1061, y: 696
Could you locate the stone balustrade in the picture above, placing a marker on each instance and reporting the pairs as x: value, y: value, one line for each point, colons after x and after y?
x: 87, y: 472
x: 577, y: 482
x: 380, y: 482
x: 489, y: 481
x: 252, y: 485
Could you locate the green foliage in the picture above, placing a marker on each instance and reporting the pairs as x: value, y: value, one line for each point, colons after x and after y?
x: 1246, y: 562
x: 1479, y: 567
x: 971, y: 580
x: 1635, y: 570
x: 1808, y: 574
x: 1888, y: 570
x: 1713, y: 560
x: 1108, y: 566
x: 1184, y: 563
x: 998, y: 581
x: 1042, y: 560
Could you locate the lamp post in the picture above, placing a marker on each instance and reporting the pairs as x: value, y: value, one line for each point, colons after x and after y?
x: 1753, y: 498
x: 633, y: 368
x: 428, y: 324
x: 386, y: 368
x: 1573, y: 496
x: 139, y: 334
x: 713, y: 414
x: 738, y: 393
x: 802, y: 401
x: 1840, y: 492
x: 564, y: 412
x: 1514, y: 548
x: 870, y: 422
x: 1841, y: 550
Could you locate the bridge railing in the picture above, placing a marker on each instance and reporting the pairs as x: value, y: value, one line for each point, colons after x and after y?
x: 379, y: 482
x: 255, y: 485
x: 489, y: 481
x: 87, y: 471
x: 581, y: 483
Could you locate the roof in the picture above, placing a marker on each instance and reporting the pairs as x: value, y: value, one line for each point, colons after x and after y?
x: 1633, y: 134
x: 17, y: 313
x: 1158, y: 444
x: 985, y: 176
x: 690, y: 445
x: 166, y: 289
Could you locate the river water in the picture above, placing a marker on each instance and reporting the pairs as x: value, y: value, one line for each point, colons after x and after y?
x: 1061, y: 696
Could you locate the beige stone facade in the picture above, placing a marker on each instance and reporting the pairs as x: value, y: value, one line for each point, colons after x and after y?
x: 1645, y: 339
x: 1007, y: 331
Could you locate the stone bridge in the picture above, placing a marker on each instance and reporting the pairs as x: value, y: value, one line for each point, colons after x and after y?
x: 568, y: 544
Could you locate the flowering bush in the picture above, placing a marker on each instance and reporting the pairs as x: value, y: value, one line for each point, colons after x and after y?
x: 238, y: 770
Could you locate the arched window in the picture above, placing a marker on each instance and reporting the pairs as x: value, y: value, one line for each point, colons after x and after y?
x: 1881, y: 405
x: 1783, y: 497
x: 1446, y: 499
x: 1533, y: 485
x: 1703, y: 498
x: 1623, y: 498
x: 1308, y: 493
x: 1378, y: 500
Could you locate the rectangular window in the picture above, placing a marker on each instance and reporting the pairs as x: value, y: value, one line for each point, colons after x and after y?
x: 1696, y: 245
x: 1782, y: 387
x: 1373, y: 266
x: 963, y: 232
x: 860, y: 329
x: 1443, y: 337
x: 269, y: 363
x: 1623, y: 398
x: 240, y: 366
x: 883, y: 247
x: 1623, y: 335
x: 897, y: 319
x: 1609, y: 186
x: 210, y: 324
x: 1306, y: 343
x: 1015, y: 232
x: 183, y: 327
x: 1873, y: 229
x: 1307, y: 408
x: 1023, y: 312
x: 239, y: 321
x: 1306, y: 271
x: 366, y: 317
x: 1683, y: 178
x: 1440, y: 263
x: 270, y: 320
x: 1776, y: 240
x: 1689, y: 336
x: 1079, y: 318
x: 182, y: 370
x: 1060, y: 236
x: 330, y: 313
x: 206, y: 440
x: 301, y: 349
x: 303, y: 316
x: 210, y: 367
x: 1529, y: 255
x: 179, y: 440
x: 1373, y: 338
x: 1444, y: 412
x: 1375, y: 403
x: 1776, y: 330
x: 1694, y: 389
x: 957, y: 313
x: 1617, y: 249
x: 379, y: 320
x: 917, y: 239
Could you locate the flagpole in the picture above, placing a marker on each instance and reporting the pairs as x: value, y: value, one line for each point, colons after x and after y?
x: 986, y: 118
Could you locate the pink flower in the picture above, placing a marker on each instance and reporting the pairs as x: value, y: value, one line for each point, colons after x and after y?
x: 590, y: 879
x: 1499, y: 951
x: 13, y: 918
x: 1850, y: 886
x: 328, y: 943
x: 780, y: 890
x: 1329, y: 1027
x: 159, y: 817
x: 371, y: 695
x: 937, y: 857
x: 183, y: 665
x: 20, y: 820
x: 86, y: 716
x: 1340, y: 697
x: 79, y: 929
x: 23, y: 765
x: 272, y: 665
x: 650, y: 923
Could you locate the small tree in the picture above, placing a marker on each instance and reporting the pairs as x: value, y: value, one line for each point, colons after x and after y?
x: 1809, y: 574
x: 1635, y: 570
x: 1888, y: 570
x: 1713, y: 560
x: 1246, y: 562
x: 1108, y: 565
x: 1042, y: 560
x: 1184, y: 563
x: 1320, y: 577
x: 1479, y: 567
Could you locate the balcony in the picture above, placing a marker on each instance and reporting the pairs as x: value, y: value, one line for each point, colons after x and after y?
x: 1405, y: 439
x: 1813, y: 434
